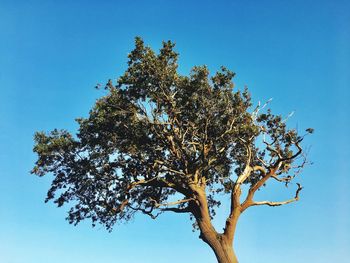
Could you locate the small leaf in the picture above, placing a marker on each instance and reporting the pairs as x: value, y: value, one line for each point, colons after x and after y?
x: 310, y: 130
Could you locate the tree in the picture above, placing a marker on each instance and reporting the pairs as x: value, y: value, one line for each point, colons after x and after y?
x: 162, y: 142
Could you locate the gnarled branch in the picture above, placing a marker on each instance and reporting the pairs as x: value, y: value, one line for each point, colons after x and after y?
x: 271, y: 203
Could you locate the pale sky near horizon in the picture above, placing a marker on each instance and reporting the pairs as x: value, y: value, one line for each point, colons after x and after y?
x: 52, y: 54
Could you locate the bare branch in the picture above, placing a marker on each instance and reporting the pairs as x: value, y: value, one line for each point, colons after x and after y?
x: 247, y: 170
x: 236, y: 191
x: 270, y: 203
x: 258, y: 108
x: 144, y: 211
x: 156, y: 204
x: 259, y: 168
x: 289, y: 115
x: 257, y: 185
x: 286, y: 179
x: 177, y: 210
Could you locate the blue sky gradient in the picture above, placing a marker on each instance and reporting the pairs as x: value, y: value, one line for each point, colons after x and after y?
x: 52, y: 54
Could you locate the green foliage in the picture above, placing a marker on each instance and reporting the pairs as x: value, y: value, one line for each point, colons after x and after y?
x: 154, y: 134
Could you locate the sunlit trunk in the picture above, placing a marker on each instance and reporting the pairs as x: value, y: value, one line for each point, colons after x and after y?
x: 224, y: 252
x: 221, y: 244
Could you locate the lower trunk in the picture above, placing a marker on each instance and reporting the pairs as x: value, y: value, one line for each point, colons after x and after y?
x: 220, y: 243
x: 223, y: 251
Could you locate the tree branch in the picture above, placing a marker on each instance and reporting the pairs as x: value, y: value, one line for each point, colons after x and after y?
x: 176, y: 210
x: 300, y: 150
x: 235, y: 198
x: 286, y: 179
x: 270, y: 203
x: 256, y: 186
x: 144, y: 211
x: 236, y: 192
x: 156, y: 204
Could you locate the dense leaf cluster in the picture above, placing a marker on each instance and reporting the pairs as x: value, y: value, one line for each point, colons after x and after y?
x: 154, y: 135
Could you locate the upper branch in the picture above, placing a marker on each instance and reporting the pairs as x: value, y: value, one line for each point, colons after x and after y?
x: 270, y: 203
x: 235, y: 197
x: 256, y: 186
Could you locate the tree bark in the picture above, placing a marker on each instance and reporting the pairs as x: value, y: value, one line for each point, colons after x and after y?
x: 221, y: 244
x: 223, y: 250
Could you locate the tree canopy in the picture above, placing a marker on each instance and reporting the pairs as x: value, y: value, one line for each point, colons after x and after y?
x: 159, y: 141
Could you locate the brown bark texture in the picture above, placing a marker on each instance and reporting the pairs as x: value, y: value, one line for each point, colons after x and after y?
x: 220, y: 243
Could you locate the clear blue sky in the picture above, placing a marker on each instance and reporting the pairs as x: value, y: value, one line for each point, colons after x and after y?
x: 52, y: 53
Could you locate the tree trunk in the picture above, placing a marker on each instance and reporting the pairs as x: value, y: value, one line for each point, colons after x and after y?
x: 225, y: 254
x: 223, y: 250
x: 221, y: 244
